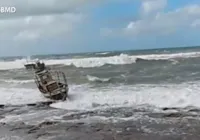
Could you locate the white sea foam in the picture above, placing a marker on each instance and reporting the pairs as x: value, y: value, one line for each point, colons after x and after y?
x: 100, y: 61
x: 156, y: 95
x: 103, y: 53
x: 17, y: 96
x: 83, y: 97
x: 96, y: 79
x: 12, y: 81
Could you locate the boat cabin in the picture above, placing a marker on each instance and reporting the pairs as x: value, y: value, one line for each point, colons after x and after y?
x: 52, y: 84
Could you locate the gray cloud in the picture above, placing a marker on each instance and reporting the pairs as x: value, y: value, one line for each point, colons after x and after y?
x: 41, y: 7
x: 35, y: 20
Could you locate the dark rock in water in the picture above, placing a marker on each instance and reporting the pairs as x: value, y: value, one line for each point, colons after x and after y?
x: 43, y: 134
x: 79, y: 115
x: 33, y: 130
x: 47, y: 123
x: 37, y: 128
x: 47, y: 102
x: 194, y: 110
x: 32, y: 104
x: 73, y: 116
x: 2, y: 106
x: 140, y: 60
x: 155, y: 115
x: 40, y: 104
x: 181, y: 114
x: 174, y: 115
x: 2, y: 123
x: 128, y: 114
x: 19, y: 126
x: 169, y: 108
x: 95, y: 105
x: 80, y: 123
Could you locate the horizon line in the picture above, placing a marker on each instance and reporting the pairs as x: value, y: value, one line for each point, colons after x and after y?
x: 160, y: 48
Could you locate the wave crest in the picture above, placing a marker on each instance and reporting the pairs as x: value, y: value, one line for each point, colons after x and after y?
x: 121, y: 59
x: 16, y: 81
x: 97, y: 79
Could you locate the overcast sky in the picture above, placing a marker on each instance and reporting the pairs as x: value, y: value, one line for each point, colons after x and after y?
x: 68, y: 26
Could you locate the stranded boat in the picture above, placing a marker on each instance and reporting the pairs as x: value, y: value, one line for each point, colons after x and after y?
x: 34, y: 65
x: 29, y: 65
x: 52, y: 84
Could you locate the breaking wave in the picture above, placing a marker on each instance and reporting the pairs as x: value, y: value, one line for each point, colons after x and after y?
x: 12, y: 81
x: 178, y: 95
x: 100, y: 61
x: 103, y: 53
x: 97, y: 79
x: 16, y: 96
x: 82, y: 97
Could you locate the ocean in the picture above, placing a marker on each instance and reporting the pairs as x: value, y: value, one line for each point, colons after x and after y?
x: 105, y: 86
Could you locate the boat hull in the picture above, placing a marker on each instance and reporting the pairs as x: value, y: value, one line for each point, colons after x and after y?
x: 61, y: 96
x: 30, y: 66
